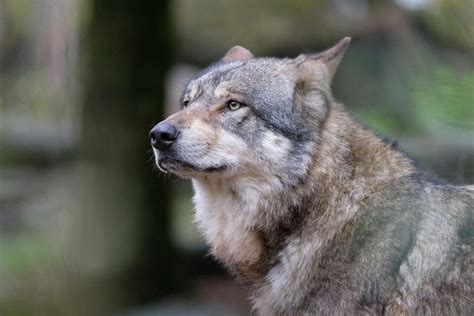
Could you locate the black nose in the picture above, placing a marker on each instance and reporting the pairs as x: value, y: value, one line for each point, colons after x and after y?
x: 163, y: 135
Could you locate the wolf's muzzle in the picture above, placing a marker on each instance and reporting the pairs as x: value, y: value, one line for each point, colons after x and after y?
x: 163, y: 135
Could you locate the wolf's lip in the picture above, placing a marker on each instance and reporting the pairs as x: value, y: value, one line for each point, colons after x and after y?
x: 160, y: 165
x: 172, y: 164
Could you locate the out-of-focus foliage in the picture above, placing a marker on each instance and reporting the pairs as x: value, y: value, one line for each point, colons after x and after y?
x: 451, y: 21
x: 446, y: 100
x: 208, y: 27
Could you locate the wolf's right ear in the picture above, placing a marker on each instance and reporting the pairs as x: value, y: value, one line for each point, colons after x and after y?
x: 237, y: 53
x: 325, y: 63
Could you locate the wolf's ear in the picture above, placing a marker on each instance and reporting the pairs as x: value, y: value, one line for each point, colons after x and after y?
x: 237, y: 53
x: 326, y: 62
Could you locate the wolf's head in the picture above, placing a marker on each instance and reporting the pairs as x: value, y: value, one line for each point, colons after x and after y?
x: 246, y: 115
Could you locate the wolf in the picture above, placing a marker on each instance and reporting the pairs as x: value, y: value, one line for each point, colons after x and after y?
x: 313, y: 213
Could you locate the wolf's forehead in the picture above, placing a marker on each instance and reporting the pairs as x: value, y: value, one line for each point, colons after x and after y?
x: 211, y: 78
x: 236, y: 75
x: 219, y: 90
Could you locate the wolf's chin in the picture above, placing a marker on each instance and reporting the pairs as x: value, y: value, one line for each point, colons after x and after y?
x: 180, y: 167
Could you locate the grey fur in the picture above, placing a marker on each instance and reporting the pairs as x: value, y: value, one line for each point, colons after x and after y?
x: 311, y: 212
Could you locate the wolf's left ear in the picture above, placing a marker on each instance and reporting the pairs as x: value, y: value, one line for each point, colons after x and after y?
x: 326, y: 62
x: 237, y: 53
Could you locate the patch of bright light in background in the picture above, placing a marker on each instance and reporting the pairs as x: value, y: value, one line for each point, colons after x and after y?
x: 413, y: 4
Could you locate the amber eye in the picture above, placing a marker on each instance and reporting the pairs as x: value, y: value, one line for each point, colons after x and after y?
x: 234, y: 105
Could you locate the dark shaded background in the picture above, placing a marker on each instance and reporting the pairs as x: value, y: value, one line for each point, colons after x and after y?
x: 89, y: 227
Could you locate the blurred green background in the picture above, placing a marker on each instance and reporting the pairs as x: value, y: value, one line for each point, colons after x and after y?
x: 89, y: 227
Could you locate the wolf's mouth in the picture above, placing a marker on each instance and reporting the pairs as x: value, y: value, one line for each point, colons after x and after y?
x: 175, y: 165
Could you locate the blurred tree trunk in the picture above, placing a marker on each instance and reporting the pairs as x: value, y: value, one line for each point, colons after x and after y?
x: 128, y: 50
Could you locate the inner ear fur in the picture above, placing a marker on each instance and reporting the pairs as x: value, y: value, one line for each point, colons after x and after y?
x: 324, y: 64
x: 237, y: 53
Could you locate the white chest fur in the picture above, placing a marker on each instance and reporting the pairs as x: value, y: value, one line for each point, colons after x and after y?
x: 224, y: 219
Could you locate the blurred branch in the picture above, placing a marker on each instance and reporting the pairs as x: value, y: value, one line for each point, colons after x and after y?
x: 130, y: 48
